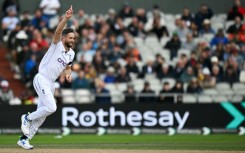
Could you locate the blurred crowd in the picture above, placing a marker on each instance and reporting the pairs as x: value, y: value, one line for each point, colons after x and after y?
x: 106, y: 50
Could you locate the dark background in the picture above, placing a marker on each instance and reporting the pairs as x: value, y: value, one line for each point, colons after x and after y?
x: 102, y: 6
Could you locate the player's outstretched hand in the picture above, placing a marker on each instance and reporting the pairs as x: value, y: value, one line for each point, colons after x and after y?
x: 69, y: 13
x: 68, y: 78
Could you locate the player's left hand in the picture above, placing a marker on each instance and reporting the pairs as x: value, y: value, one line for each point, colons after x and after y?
x: 69, y: 13
x: 68, y: 78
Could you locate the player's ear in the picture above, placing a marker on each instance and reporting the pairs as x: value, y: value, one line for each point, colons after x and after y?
x: 62, y: 38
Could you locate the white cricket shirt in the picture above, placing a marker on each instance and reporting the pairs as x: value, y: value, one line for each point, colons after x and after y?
x: 55, y: 61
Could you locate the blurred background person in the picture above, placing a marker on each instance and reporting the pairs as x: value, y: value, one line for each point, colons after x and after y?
x: 6, y: 94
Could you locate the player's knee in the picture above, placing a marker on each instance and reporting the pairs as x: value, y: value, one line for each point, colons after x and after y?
x: 53, y: 109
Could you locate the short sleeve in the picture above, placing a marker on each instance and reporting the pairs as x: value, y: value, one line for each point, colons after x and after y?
x: 43, y: 3
x: 72, y: 58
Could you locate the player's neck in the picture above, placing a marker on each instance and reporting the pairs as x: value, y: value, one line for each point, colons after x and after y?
x: 66, y: 48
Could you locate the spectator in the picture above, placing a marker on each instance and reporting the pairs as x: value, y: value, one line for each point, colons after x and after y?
x: 240, y: 37
x: 166, y: 72
x: 204, y: 13
x: 187, y: 74
x: 133, y: 28
x: 194, y: 87
x: 132, y: 67
x: 98, y: 63
x: 10, y: 4
x: 123, y: 76
x: 178, y: 88
x: 187, y: 16
x: 216, y: 74
x: 182, y: 29
x: 206, y: 28
x: 219, y: 51
x: 111, y: 17
x: 235, y: 28
x: 80, y: 18
x: 163, y: 98
x: 237, y: 57
x: 110, y: 77
x: 159, y: 29
x: 76, y: 67
x: 140, y: 14
x: 29, y: 65
x: 174, y: 44
x: 10, y: 21
x: 242, y: 51
x: 81, y: 82
x: 189, y: 44
x: 49, y: 8
x: 112, y: 42
x: 215, y: 62
x: 87, y: 53
x: 207, y: 81
x: 38, y: 39
x: 35, y: 50
x: 180, y: 67
x: 132, y: 52
x: 156, y: 11
x: 102, y: 94
x: 130, y: 94
x: 159, y: 61
x: 23, y: 55
x: 118, y: 29
x: 12, y: 38
x: 147, y: 95
x: 236, y: 10
x: 6, y: 94
x: 39, y: 22
x: 219, y: 38
x: 25, y: 21
x: 193, y: 59
x: 227, y: 52
x: 91, y: 73
x: 194, y: 30
x: 204, y: 58
x: 116, y: 54
x: 230, y: 76
x: 126, y: 12
x: 142, y: 32
x: 148, y: 69
x: 27, y: 97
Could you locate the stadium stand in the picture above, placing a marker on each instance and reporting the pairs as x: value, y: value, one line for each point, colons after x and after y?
x: 135, y: 48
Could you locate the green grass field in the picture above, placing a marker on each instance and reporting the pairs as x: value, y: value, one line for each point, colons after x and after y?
x: 144, y: 142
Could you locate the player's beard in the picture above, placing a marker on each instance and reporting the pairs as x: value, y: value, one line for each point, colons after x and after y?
x: 68, y: 44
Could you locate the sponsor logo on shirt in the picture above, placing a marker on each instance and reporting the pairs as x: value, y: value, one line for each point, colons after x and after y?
x: 61, y: 61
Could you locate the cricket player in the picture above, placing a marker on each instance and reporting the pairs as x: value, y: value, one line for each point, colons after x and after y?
x: 57, y: 61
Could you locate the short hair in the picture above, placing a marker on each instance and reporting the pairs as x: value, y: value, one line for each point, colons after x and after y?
x: 67, y: 30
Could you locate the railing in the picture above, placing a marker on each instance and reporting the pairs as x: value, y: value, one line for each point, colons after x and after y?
x: 151, y: 97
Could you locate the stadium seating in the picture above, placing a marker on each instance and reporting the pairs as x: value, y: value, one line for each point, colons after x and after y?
x: 149, y: 45
x: 189, y: 99
x: 83, y: 96
x: 204, y: 99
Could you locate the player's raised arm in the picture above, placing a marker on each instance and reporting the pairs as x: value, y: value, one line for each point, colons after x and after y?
x: 61, y: 25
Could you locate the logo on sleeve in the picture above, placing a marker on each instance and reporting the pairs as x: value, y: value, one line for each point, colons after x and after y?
x: 43, y: 91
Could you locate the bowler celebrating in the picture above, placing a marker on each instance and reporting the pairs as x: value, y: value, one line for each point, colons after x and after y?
x: 56, y: 61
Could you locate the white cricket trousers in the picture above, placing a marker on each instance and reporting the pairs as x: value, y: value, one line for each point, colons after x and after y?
x: 46, y: 103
